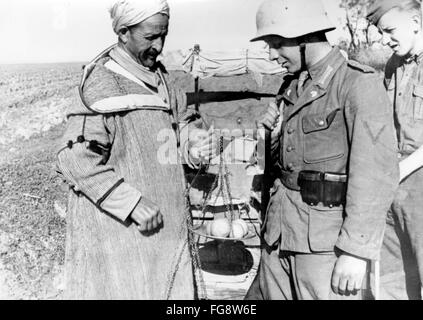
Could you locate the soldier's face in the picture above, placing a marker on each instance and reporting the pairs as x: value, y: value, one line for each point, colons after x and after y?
x: 145, y: 41
x: 401, y: 31
x: 285, y: 51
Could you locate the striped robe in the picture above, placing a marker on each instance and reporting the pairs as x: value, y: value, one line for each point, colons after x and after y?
x: 106, y: 256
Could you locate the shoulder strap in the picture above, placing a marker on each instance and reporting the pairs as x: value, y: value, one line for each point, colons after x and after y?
x: 148, y: 101
x: 361, y: 67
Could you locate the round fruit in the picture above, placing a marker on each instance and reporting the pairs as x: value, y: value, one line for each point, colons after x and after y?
x: 243, y: 224
x: 220, y: 228
x: 237, y: 231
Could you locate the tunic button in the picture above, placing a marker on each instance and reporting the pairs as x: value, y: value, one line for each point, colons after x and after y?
x: 290, y: 149
x: 291, y: 166
x: 321, y: 123
x: 291, y: 131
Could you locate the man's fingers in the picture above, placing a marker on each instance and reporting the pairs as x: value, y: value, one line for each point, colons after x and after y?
x: 351, y: 285
x: 272, y: 118
x: 273, y: 106
x: 342, y: 288
x: 149, y: 226
x: 267, y: 123
x: 142, y: 226
x: 207, y: 149
x: 197, y: 135
x: 208, y: 143
x: 335, y: 282
x: 146, y: 216
x: 160, y: 219
x: 154, y: 224
x: 273, y: 113
x: 270, y: 123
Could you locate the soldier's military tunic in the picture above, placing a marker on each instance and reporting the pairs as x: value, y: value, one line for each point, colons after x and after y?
x: 341, y: 123
x: 402, y: 252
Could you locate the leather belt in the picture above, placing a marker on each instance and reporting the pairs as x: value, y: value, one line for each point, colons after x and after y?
x: 289, y: 179
x: 316, y: 187
x: 323, y: 176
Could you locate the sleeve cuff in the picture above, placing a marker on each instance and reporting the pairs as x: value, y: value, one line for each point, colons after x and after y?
x: 355, y: 249
x: 121, y: 201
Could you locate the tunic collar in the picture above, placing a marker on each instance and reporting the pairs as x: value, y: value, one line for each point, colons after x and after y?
x: 323, y: 71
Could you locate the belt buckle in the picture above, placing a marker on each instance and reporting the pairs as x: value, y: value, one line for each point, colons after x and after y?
x: 332, y: 177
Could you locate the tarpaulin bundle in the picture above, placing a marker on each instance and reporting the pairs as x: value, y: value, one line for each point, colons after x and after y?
x: 207, y: 64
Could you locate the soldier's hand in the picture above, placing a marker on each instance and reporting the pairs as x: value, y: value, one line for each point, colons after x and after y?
x: 202, y: 145
x: 270, y: 119
x: 147, y: 216
x: 348, y: 275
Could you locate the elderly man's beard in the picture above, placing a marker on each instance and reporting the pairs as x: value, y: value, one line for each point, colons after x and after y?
x: 149, y: 57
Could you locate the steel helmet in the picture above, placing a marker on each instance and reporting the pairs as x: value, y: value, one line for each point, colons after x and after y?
x: 291, y: 18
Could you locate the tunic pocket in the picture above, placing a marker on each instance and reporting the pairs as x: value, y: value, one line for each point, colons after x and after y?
x: 324, y: 228
x: 418, y: 102
x: 323, y: 137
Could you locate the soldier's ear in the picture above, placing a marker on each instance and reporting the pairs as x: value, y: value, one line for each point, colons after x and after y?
x: 124, y: 35
x: 417, y: 23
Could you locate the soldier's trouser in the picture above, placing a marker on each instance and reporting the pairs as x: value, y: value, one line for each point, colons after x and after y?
x: 402, y: 250
x: 293, y: 276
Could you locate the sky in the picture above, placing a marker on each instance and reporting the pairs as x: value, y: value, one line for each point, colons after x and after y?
x: 44, y: 31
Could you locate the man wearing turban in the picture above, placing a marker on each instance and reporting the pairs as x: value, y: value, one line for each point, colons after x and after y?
x: 128, y: 222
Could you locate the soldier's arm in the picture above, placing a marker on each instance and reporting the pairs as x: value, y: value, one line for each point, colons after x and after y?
x: 82, y: 162
x: 373, y: 167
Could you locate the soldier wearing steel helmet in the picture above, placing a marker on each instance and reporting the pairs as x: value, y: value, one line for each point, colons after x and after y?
x: 334, y: 161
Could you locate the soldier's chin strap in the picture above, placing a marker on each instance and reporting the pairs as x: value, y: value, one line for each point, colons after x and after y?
x: 303, y: 56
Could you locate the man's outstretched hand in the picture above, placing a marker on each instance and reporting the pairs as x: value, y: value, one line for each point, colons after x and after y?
x: 203, y: 145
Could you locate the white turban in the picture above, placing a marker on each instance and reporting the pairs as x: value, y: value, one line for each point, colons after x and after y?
x: 126, y: 13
